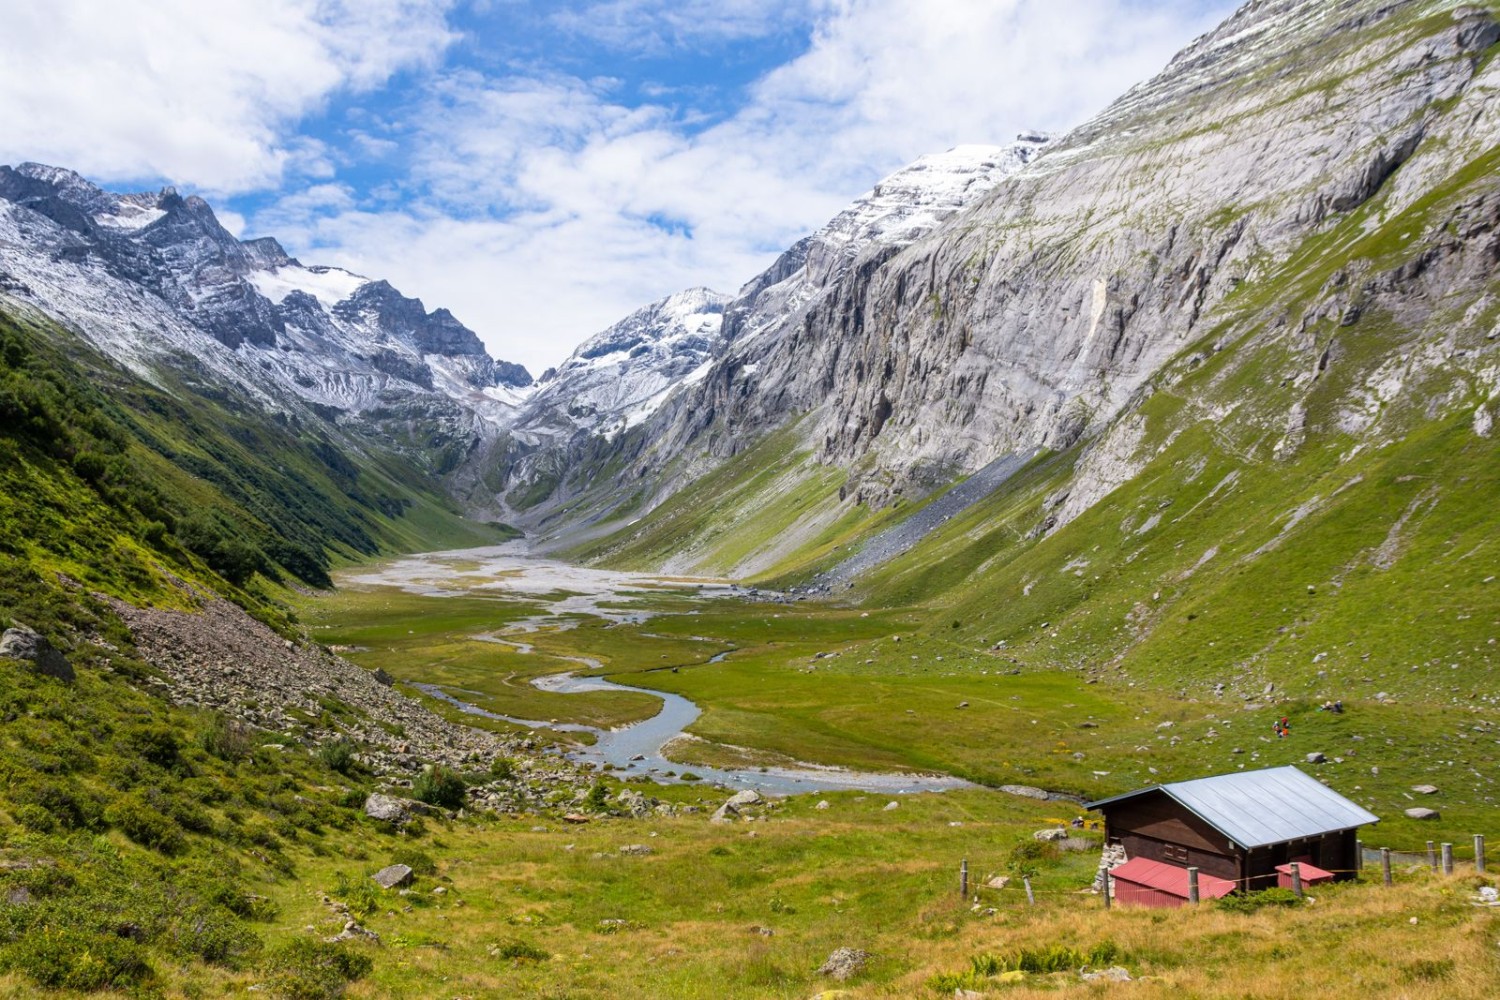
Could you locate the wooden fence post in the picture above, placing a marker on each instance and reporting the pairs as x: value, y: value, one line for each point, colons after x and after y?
x: 1192, y: 885
x: 1479, y: 853
x: 1026, y: 881
x: 1297, y: 879
x: 963, y: 878
x: 1447, y: 859
x: 1359, y: 856
x: 1385, y: 864
x: 1106, y: 889
x: 1432, y: 855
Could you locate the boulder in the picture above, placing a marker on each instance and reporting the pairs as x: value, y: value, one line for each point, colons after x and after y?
x: 823, y: 804
x: 387, y: 809
x: 726, y: 813
x: 1026, y: 791
x: 638, y: 850
x: 393, y: 876
x: 1316, y: 758
x: 892, y: 805
x: 1424, y: 789
x: 25, y: 644
x: 1051, y: 833
x: 844, y: 963
x: 749, y: 797
x: 1113, y: 974
x: 1419, y: 812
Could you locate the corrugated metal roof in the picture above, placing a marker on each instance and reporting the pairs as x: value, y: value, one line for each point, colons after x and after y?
x: 1170, y: 878
x: 1256, y: 808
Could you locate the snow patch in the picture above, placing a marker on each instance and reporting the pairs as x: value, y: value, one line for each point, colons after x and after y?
x: 329, y: 285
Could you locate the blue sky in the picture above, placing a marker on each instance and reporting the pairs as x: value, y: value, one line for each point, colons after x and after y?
x: 542, y: 169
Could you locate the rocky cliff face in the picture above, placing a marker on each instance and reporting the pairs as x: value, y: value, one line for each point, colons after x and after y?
x: 1036, y: 317
x: 643, y: 375
x: 154, y: 280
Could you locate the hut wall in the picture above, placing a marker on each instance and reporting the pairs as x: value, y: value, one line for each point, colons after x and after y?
x: 1128, y: 893
x: 1156, y: 827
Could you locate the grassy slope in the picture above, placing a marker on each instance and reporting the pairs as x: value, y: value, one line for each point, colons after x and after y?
x: 118, y: 483
x: 148, y: 839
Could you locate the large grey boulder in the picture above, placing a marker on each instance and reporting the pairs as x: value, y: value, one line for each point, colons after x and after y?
x: 844, y: 963
x: 24, y: 644
x: 393, y: 876
x: 1419, y: 812
x: 387, y: 809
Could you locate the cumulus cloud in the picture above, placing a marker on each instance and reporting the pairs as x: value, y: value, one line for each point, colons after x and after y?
x: 202, y: 95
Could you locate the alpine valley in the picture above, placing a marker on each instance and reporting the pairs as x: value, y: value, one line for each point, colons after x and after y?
x: 1041, y: 473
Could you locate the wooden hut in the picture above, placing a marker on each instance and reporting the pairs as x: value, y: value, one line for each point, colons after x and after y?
x: 1238, y: 827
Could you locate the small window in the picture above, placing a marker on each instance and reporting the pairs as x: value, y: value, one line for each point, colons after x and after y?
x: 1175, y: 852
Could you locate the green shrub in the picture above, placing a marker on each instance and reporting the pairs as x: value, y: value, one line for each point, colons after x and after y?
x: 516, y: 950
x: 67, y: 803
x: 439, y: 786
x: 419, y: 862
x: 35, y: 818
x: 598, y: 799
x: 304, y: 969
x: 153, y: 742
x: 213, y: 935
x: 71, y: 959
x: 502, y: 768
x: 361, y: 895
x: 338, y: 755
x: 144, y: 825
x: 227, y: 739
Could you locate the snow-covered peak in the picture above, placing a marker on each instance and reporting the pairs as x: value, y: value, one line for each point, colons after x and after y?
x: 695, y: 314
x: 620, y: 376
x: 913, y: 200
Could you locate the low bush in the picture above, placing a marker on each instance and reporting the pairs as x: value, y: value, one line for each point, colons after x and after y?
x: 144, y: 825
x: 439, y: 786
x: 66, y: 958
x: 361, y: 895
x: 304, y: 969
x: 227, y: 739
x: 153, y: 742
x: 516, y: 950
x: 419, y: 862
x: 338, y: 755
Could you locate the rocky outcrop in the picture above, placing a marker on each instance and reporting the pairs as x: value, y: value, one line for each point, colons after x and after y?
x: 1037, y: 316
x: 219, y: 657
x: 23, y: 643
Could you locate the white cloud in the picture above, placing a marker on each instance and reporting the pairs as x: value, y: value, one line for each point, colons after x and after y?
x: 540, y: 193
x: 203, y: 95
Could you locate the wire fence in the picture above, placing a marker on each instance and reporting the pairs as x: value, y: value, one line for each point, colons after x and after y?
x: 1378, y: 862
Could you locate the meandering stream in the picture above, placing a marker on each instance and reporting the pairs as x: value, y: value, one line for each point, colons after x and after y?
x: 634, y: 748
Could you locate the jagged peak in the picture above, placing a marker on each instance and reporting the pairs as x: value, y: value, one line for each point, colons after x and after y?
x: 691, y: 312
x: 267, y: 252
